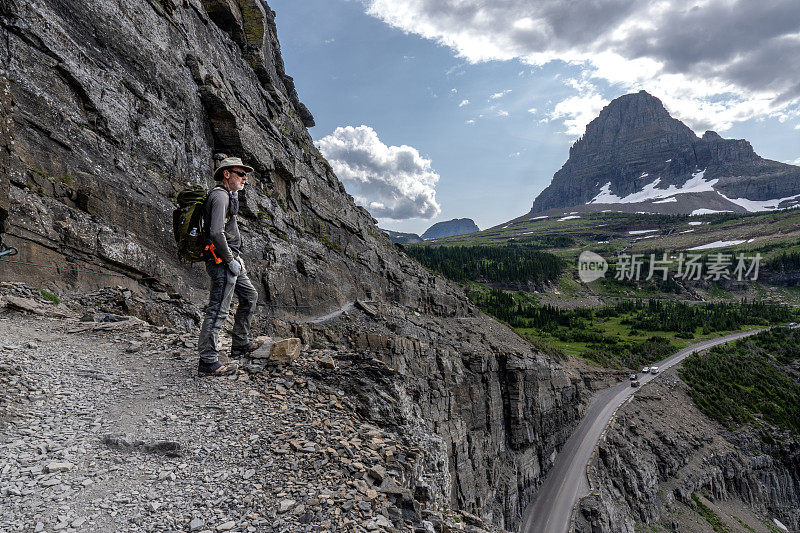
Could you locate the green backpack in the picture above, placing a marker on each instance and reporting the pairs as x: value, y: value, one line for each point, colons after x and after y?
x: 188, y: 223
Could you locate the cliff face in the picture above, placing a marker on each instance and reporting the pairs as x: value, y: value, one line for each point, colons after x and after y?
x: 117, y: 105
x: 635, y: 141
x: 661, y: 456
x: 451, y: 228
x: 5, y: 149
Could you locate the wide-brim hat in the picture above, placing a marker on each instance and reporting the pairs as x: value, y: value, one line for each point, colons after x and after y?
x: 230, y: 162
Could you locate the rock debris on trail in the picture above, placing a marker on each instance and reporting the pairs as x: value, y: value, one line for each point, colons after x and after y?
x: 112, y: 430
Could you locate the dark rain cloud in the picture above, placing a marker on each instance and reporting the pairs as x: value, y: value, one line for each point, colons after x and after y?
x: 755, y: 45
x: 747, y: 47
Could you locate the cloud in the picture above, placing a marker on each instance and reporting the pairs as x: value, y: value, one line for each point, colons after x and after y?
x: 502, y: 113
x: 393, y: 182
x: 463, y: 103
x: 578, y: 111
x: 712, y: 62
x: 795, y: 162
x: 501, y: 94
x: 470, y: 122
x: 532, y: 111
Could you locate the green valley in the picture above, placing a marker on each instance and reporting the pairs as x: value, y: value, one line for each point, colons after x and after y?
x: 525, y: 273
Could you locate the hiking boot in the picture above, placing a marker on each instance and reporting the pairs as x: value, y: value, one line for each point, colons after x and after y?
x: 217, y: 368
x: 241, y: 351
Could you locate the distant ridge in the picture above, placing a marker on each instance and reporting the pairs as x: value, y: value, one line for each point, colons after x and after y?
x: 398, y: 237
x: 450, y: 228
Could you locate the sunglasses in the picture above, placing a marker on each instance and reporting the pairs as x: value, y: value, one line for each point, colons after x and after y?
x: 239, y: 173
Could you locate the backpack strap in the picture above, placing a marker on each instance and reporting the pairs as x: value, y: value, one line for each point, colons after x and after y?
x: 228, y: 193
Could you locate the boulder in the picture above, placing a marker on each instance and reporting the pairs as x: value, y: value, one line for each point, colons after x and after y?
x: 23, y: 304
x: 285, y: 351
x: 272, y: 351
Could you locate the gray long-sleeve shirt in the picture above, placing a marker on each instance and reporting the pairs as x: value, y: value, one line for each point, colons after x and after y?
x: 222, y: 227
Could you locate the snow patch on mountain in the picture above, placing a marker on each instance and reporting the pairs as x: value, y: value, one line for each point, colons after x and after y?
x: 697, y: 183
x: 763, y: 205
x: 705, y: 211
x: 717, y: 244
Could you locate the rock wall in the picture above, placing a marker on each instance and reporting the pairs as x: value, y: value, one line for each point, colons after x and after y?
x: 498, y: 413
x: 6, y: 137
x: 117, y: 105
x: 660, y: 450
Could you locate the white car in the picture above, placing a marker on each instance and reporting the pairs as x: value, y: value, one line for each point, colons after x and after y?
x: 654, y: 370
x: 645, y: 370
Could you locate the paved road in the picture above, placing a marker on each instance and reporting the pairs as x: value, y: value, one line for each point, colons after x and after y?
x: 551, y: 511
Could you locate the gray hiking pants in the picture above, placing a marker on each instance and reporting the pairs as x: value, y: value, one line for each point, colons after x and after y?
x: 223, y: 286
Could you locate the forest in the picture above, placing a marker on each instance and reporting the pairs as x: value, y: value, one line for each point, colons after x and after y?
x: 784, y: 261
x: 748, y: 381
x: 649, y: 315
x: 499, y: 264
x: 627, y: 334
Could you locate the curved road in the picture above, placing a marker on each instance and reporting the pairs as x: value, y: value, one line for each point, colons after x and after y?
x: 551, y: 511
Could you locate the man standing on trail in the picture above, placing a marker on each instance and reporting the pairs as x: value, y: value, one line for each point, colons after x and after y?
x: 226, y: 269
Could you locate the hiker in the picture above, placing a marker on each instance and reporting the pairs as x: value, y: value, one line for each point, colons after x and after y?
x: 227, y: 271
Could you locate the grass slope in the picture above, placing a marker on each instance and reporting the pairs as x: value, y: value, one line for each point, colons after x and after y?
x: 749, y: 381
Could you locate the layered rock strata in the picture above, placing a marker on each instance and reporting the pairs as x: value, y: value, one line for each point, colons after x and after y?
x: 117, y: 105
x: 6, y: 139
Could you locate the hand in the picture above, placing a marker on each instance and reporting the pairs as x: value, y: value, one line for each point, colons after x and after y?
x: 235, y: 267
x: 241, y: 263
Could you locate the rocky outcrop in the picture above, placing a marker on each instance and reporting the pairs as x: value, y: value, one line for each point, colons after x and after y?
x: 635, y: 141
x: 450, y: 228
x: 661, y: 455
x: 117, y: 105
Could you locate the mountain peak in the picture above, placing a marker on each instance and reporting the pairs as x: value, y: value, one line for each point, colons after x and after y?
x: 636, y: 156
x: 630, y: 118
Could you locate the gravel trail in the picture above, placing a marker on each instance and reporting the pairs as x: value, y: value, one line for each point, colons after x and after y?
x: 113, y: 431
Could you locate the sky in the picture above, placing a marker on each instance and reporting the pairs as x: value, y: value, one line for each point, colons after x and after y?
x: 430, y: 110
